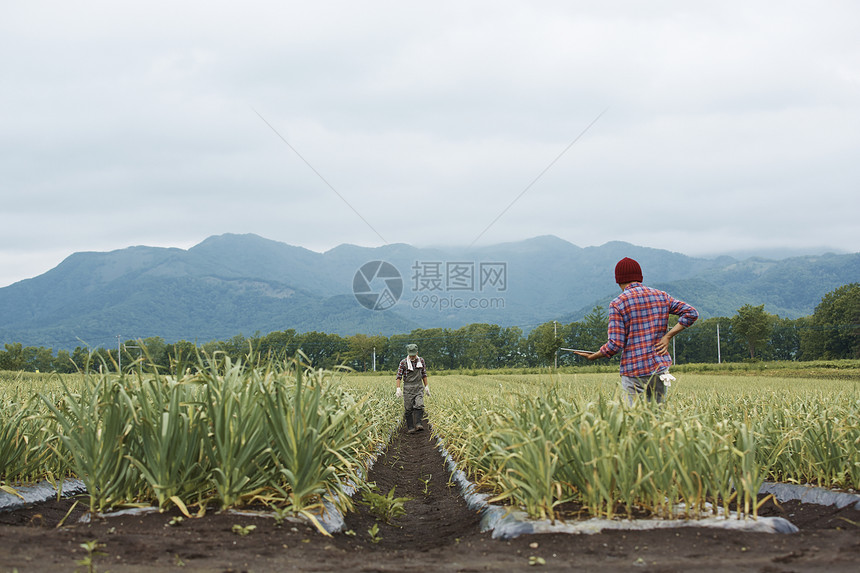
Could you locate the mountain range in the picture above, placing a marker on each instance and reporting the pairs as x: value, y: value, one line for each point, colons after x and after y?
x: 245, y: 284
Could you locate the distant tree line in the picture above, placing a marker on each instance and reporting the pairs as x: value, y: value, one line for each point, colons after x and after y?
x: 832, y: 332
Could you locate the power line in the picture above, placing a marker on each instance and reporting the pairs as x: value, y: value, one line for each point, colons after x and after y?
x: 323, y: 179
x: 535, y: 180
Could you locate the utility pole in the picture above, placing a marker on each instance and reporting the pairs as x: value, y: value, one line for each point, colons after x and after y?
x: 555, y: 338
x: 719, y: 358
x: 374, y: 359
x: 119, y: 354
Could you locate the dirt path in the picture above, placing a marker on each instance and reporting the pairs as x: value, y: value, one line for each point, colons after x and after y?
x: 436, y: 514
x: 438, y: 533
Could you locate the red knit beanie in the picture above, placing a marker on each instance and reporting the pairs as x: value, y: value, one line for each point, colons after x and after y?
x: 628, y: 271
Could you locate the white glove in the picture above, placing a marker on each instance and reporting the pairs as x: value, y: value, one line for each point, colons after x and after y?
x: 427, y: 389
x: 667, y: 379
x: 399, y: 392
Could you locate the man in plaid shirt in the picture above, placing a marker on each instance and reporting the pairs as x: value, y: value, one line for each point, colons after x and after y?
x: 638, y: 322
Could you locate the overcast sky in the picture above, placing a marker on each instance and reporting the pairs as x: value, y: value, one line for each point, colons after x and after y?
x: 720, y: 126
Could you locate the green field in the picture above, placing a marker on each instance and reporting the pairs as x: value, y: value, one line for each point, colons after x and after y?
x: 227, y: 435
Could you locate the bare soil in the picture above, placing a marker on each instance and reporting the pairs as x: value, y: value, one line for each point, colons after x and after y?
x: 438, y: 533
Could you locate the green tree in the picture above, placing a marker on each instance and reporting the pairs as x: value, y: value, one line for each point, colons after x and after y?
x: 834, y: 330
x: 238, y: 347
x: 489, y: 345
x: 544, y: 342
x: 785, y: 339
x: 700, y: 344
x: 279, y: 344
x: 508, y: 343
x: 571, y: 336
x: 753, y: 325
x: 38, y: 359
x: 454, y: 345
x: 361, y: 350
x: 323, y: 350
x: 481, y: 345
x: 13, y: 357
x: 63, y: 362
x: 594, y: 329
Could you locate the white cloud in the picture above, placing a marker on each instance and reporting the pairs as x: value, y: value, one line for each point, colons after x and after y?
x: 728, y: 124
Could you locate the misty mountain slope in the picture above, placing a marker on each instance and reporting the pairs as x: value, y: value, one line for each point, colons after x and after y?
x: 231, y: 284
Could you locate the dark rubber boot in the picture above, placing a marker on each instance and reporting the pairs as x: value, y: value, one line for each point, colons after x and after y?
x: 410, y: 427
x: 419, y: 424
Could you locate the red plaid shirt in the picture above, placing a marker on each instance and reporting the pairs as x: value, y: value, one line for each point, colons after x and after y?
x: 638, y: 318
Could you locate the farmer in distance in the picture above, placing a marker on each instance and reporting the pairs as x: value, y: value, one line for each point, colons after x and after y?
x: 638, y: 319
x: 413, y: 373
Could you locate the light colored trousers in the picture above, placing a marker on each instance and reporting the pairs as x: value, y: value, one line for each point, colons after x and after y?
x: 652, y: 387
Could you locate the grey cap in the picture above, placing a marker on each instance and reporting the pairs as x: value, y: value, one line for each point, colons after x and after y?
x: 412, y: 349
